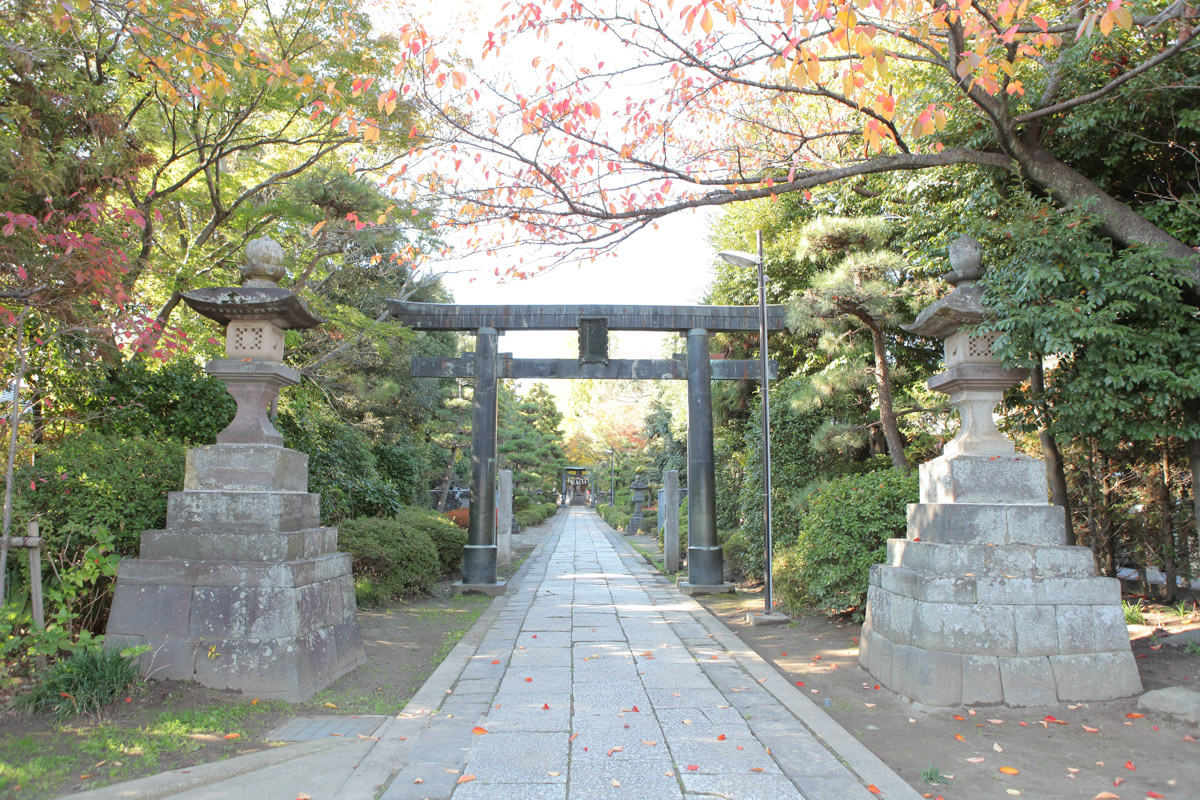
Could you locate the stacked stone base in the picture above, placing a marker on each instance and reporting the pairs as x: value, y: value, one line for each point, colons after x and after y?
x: 243, y: 590
x: 986, y: 637
x: 982, y: 604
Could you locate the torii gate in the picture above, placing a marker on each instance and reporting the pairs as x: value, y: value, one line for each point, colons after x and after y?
x: 705, y: 567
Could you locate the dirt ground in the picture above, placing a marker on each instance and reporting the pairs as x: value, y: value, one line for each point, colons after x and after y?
x: 1060, y: 752
x: 164, y: 725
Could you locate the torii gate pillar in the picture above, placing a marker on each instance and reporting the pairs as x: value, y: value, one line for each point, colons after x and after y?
x: 479, y: 555
x: 705, y: 563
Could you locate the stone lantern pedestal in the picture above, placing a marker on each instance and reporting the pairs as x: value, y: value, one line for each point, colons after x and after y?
x: 244, y: 589
x: 984, y: 602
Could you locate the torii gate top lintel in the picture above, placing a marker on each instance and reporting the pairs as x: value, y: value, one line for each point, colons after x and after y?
x: 714, y: 319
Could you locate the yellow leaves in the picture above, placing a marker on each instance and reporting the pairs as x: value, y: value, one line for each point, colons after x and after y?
x: 330, y: 705
x: 706, y: 22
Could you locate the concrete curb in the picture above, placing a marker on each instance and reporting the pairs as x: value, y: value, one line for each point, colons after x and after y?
x: 167, y: 784
x: 853, y: 753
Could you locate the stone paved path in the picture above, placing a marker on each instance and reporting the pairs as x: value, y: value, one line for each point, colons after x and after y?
x: 597, y: 679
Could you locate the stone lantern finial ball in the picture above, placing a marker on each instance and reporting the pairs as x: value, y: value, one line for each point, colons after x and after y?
x: 966, y: 261
x: 264, y: 263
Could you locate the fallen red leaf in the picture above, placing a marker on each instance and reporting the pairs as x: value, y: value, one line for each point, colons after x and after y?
x: 1009, y: 770
x: 1154, y: 794
x: 692, y: 767
x: 1090, y: 730
x: 1134, y: 715
x: 873, y: 789
x: 545, y: 706
x: 1129, y: 766
x: 721, y: 737
x: 465, y: 779
x: 799, y: 683
x: 529, y: 680
x: 478, y: 731
x: 960, y: 737
x: 877, y: 686
x: 233, y: 736
x: 635, y: 708
x: 959, y: 717
x: 495, y: 661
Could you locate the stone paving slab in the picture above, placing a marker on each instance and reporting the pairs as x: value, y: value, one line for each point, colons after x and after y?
x: 610, y: 684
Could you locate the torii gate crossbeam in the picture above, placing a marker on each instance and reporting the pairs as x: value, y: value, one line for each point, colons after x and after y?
x: 705, y: 562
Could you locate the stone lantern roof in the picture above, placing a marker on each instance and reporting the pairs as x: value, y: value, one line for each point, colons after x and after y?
x: 258, y: 297
x: 964, y: 305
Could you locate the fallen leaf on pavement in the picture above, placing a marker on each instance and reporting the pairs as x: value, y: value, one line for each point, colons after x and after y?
x: 649, y: 742
x: 418, y: 780
x: 996, y: 721
x: 478, y: 731
x: 692, y: 767
x: 465, y: 778
x: 756, y: 769
x: 612, y: 750
x: 1129, y: 766
x: 1134, y: 715
x: 616, y: 782
x: 873, y: 789
x: 977, y: 760
x: 721, y: 737
x: 554, y: 774
x: 1010, y: 770
x: 1154, y: 795
x: 960, y: 737
x: 1107, y: 796
x: 997, y: 747
x: 1012, y: 791
x: 1090, y: 730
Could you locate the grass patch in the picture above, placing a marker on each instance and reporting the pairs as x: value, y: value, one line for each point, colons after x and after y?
x: 85, y: 682
x: 23, y: 770
x: 1134, y: 613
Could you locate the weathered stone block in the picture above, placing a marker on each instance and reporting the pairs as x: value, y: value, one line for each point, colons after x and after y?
x: 1048, y: 591
x: 238, y: 545
x: 168, y: 659
x: 246, y: 468
x: 983, y: 479
x: 975, y: 523
x: 240, y: 612
x: 155, y: 610
x: 981, y: 681
x: 890, y: 614
x: 962, y: 628
x: 1076, y: 629
x: 1096, y: 676
x: 927, y: 588
x: 1012, y: 559
x: 1037, y: 630
x: 234, y: 511
x: 1063, y: 562
x: 1028, y: 681
x: 928, y: 677
x: 936, y: 558
x: 284, y: 575
x: 956, y: 524
x: 1111, y: 633
x: 1176, y: 701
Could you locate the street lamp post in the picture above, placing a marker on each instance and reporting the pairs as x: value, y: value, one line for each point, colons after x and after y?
x: 612, y: 477
x: 741, y: 259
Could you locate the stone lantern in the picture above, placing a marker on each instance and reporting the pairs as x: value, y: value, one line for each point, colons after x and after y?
x: 640, y: 496
x: 244, y: 589
x: 985, y: 602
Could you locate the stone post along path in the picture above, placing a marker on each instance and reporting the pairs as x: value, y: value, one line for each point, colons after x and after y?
x: 598, y: 679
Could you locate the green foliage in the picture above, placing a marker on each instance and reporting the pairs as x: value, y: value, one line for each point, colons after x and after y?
x: 649, y: 522
x: 341, y: 463
x: 1134, y: 613
x: 99, y: 480
x: 176, y: 400
x: 392, y: 558
x: 447, y: 537
x: 743, y: 555
x: 401, y: 465
x: 86, y: 681
x: 844, y: 528
x: 616, y: 516
x: 1127, y: 340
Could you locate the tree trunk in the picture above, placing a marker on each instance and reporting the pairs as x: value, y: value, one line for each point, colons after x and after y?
x: 1108, y: 537
x: 1167, y: 527
x: 1054, y: 464
x: 14, y: 425
x: 1093, y: 529
x: 441, y: 506
x: 887, y: 414
x: 1070, y: 188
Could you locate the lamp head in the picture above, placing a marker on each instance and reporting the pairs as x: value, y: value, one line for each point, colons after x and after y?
x: 738, y: 258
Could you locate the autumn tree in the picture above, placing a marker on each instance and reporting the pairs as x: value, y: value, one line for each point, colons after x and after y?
x: 730, y: 100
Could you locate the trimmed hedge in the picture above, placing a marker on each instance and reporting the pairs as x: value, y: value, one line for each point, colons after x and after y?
x: 844, y: 528
x: 392, y: 558
x: 448, y: 538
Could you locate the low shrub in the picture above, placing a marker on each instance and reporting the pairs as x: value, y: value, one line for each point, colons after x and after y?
x: 86, y: 681
x: 844, y: 528
x: 392, y: 558
x: 448, y: 538
x: 459, y: 516
x: 742, y: 556
x: 649, y: 522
